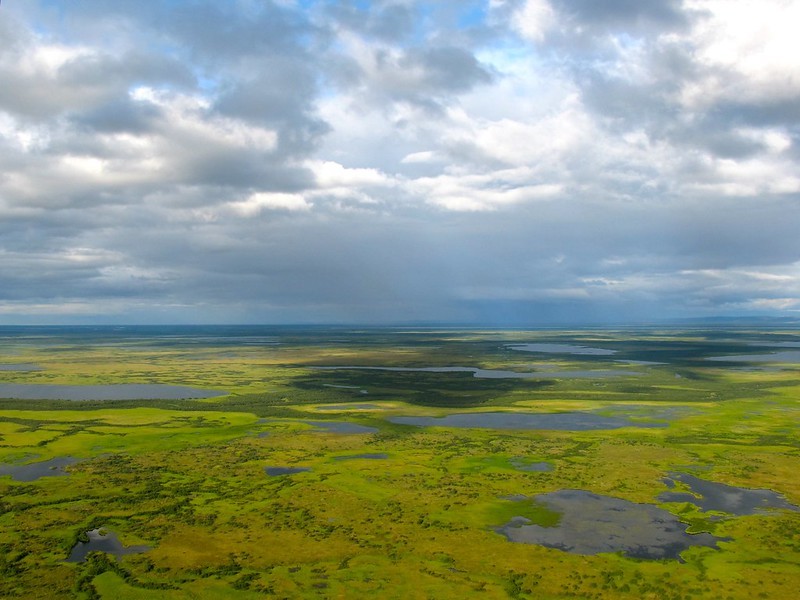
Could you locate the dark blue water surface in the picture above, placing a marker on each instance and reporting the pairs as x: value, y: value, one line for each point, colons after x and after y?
x: 593, y: 524
x: 121, y: 391
x: 31, y: 472
x: 277, y: 471
x: 720, y: 497
x: 101, y: 540
x: 571, y: 421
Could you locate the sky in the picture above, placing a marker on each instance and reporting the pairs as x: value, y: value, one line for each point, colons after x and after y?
x: 497, y: 162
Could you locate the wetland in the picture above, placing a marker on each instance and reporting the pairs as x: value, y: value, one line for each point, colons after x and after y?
x: 674, y: 478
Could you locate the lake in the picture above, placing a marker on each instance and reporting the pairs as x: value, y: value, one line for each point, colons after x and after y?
x: 569, y: 421
x: 368, y: 456
x: 593, y: 524
x: 101, y: 540
x: 561, y: 349
x: 709, y: 495
x: 278, y: 471
x: 121, y: 391
x: 31, y: 472
x: 496, y: 373
x: 786, y: 356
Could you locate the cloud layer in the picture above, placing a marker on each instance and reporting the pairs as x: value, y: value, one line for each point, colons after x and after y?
x: 499, y: 161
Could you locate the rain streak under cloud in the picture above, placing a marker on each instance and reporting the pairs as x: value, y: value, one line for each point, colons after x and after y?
x: 498, y: 162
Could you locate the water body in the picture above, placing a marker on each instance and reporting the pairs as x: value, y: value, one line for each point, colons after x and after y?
x: 278, y: 471
x: 54, y: 467
x: 571, y: 421
x: 103, y: 541
x: 787, y: 356
x: 592, y: 524
x: 342, y: 427
x: 561, y: 349
x: 122, y: 391
x: 776, y: 344
x: 345, y: 387
x: 538, y: 467
x: 19, y: 367
x: 709, y: 495
x: 371, y: 456
x: 498, y: 374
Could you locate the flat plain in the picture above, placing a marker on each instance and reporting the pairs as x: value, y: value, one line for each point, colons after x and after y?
x: 418, y: 463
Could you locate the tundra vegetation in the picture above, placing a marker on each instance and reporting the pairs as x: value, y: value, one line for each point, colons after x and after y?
x: 271, y: 490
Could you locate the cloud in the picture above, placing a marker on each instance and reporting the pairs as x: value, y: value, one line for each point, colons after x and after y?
x: 508, y: 162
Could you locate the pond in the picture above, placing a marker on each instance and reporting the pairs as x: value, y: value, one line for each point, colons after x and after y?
x: 498, y: 374
x: 101, y: 540
x: 278, y: 471
x: 709, y: 495
x: 570, y: 421
x: 121, y: 391
x: 341, y: 427
x: 31, y: 472
x: 535, y: 467
x: 592, y: 524
x: 561, y: 349
x: 368, y: 456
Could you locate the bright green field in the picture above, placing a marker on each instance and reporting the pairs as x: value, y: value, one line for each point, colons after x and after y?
x: 187, y: 477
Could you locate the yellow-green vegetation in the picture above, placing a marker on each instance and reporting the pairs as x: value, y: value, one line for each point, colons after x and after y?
x: 187, y: 477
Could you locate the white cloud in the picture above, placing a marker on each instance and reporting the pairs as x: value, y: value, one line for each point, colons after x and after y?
x: 644, y: 157
x: 754, y: 45
x: 261, y: 201
x: 534, y: 19
x: 425, y: 156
